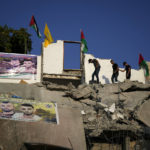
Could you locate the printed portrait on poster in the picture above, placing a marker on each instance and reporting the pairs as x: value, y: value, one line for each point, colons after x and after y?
x: 18, y: 66
x: 28, y: 110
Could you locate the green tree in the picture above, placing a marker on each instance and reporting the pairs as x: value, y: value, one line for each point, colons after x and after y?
x: 5, y: 44
x: 15, y: 41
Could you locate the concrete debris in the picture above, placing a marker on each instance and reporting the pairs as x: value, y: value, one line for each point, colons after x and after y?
x: 82, y: 112
x: 101, y: 105
x: 91, y: 119
x: 71, y: 86
x: 111, y: 107
x: 114, y: 88
x: 117, y: 116
x: 55, y: 87
x: 135, y: 98
x: 88, y: 102
x: 39, y: 84
x: 114, y: 105
x: 143, y: 113
x: 80, y: 93
x: 133, y: 86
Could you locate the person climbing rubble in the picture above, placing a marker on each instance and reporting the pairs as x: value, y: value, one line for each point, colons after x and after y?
x: 115, y: 71
x: 97, y: 69
x: 127, y: 69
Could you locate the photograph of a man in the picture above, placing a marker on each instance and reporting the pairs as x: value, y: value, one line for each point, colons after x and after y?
x: 26, y: 114
x: 7, y: 109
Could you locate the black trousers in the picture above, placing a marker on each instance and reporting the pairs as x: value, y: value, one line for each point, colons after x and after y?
x: 95, y: 73
x: 114, y: 76
x: 128, y: 76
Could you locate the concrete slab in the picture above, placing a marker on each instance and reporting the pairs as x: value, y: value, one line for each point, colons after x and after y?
x: 144, y: 113
x: 69, y: 133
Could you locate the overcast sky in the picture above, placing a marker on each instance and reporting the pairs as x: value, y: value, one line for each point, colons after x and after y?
x: 113, y: 29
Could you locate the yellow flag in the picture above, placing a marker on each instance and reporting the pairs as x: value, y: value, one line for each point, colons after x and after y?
x: 48, y: 38
x: 46, y: 42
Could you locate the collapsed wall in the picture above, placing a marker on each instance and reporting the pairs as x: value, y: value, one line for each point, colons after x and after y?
x: 64, y: 135
x: 115, y: 116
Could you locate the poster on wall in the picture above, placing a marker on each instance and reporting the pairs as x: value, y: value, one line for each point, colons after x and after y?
x: 28, y: 110
x: 18, y: 66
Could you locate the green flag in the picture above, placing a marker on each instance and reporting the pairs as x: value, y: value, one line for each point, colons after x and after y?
x: 35, y: 27
x: 143, y: 64
x: 84, y: 47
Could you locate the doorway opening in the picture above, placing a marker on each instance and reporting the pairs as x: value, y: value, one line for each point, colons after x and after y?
x: 72, y: 55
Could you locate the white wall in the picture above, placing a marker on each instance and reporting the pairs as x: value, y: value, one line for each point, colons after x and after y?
x: 106, y: 71
x: 38, y: 76
x: 53, y: 56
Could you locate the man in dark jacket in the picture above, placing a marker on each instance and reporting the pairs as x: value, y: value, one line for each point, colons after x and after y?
x: 127, y: 69
x: 115, y: 71
x: 97, y: 69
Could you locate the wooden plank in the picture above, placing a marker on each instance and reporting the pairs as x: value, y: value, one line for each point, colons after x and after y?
x: 76, y: 42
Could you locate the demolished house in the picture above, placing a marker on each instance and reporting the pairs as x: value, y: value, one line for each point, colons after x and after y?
x: 74, y: 114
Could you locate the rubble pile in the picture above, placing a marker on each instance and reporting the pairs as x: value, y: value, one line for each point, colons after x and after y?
x: 112, y: 114
x: 113, y: 107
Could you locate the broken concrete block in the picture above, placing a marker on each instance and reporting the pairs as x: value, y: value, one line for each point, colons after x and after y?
x: 110, y: 99
x: 114, y: 117
x: 143, y: 113
x: 83, y: 112
x: 88, y: 102
x: 139, y: 86
x: 81, y: 86
x: 56, y: 87
x: 70, y: 86
x: 117, y: 116
x: 133, y: 86
x: 106, y: 109
x: 95, y: 133
x: 81, y: 93
x: 126, y: 86
x: 93, y: 96
x: 92, y: 118
x: 112, y: 108
x: 133, y: 99
x: 90, y: 112
x: 101, y: 105
x: 110, y: 88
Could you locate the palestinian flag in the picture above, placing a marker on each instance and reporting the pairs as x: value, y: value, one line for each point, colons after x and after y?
x: 84, y: 47
x: 143, y: 64
x: 35, y: 27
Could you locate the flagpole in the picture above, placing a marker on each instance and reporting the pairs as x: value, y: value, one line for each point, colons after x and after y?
x: 42, y: 64
x: 82, y: 63
x: 81, y: 53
